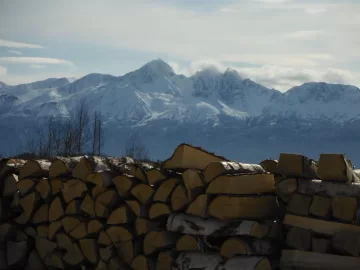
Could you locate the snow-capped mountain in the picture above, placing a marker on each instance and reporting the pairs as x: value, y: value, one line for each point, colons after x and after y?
x: 221, y: 111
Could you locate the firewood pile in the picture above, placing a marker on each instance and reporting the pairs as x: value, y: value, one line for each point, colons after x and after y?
x: 321, y: 214
x: 197, y: 211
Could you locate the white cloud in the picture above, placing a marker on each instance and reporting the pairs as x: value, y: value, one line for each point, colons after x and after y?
x: 304, y: 34
x: 15, y: 52
x: 315, y: 11
x: 273, y: 1
x: 37, y: 66
x: 3, y: 71
x: 34, y: 60
x: 14, y: 44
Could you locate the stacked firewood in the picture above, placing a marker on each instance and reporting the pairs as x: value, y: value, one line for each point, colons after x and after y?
x: 320, y: 201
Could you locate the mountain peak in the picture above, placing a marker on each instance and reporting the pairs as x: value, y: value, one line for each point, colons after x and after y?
x: 2, y: 85
x: 158, y: 66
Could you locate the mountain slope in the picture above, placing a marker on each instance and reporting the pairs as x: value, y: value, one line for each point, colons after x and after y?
x: 221, y: 111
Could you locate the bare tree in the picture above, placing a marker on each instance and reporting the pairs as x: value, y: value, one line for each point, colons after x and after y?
x: 82, y: 125
x: 97, y: 140
x: 136, y: 148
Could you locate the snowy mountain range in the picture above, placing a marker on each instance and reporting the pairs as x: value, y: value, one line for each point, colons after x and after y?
x: 223, y: 112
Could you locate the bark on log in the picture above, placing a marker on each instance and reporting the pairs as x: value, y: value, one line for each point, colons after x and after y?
x: 186, y: 156
x: 330, y: 189
x: 215, y: 169
x: 63, y: 166
x: 321, y: 227
x: 246, y: 207
x: 297, y: 166
x: 296, y: 259
x: 298, y: 238
x: 187, y: 224
x: 242, y: 184
x: 335, y: 167
x: 246, y: 263
x: 344, y: 208
x: 197, y: 260
x: 156, y: 241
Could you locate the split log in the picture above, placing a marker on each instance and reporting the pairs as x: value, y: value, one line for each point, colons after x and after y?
x: 44, y: 189
x: 270, y: 165
x: 299, y: 204
x: 106, y: 253
x: 143, y: 193
x: 96, y: 191
x: 320, y: 207
x: 247, y: 207
x: 10, y: 185
x: 187, y: 224
x: 298, y: 166
x: 54, y: 227
x: 101, y: 265
x: 155, y: 176
x: 70, y: 223
x: 34, y: 262
x: 27, y: 204
x: 44, y: 247
x: 94, y: 227
x: 119, y: 233
x: 128, y: 250
x: 56, y: 185
x: 215, y: 169
x: 104, y: 238
x: 139, y: 171
x: 335, y: 167
x: 89, y: 249
x: 79, y: 232
x: 321, y: 245
x: 100, y: 178
x: 56, y: 209
x: 41, y: 215
x: 189, y: 243
x: 120, y: 215
x: 73, y: 207
x: 321, y: 227
x: 105, y: 202
x: 16, y: 254
x: 330, y: 189
x: 7, y: 232
x: 31, y: 232
x: 346, y: 243
x: 115, y: 264
x: 42, y: 231
x: 165, y: 260
x: 156, y: 241
x: 35, y: 168
x: 296, y: 259
x: 242, y: 184
x: 88, y: 206
x: 199, y: 206
x: 163, y: 192
x: 246, y: 263
x: 197, y: 260
x: 73, y: 256
x: 143, y: 226
x: 87, y: 165
x: 54, y: 260
x: 298, y: 238
x: 241, y: 246
x: 140, y: 210
x: 344, y: 208
x: 179, y: 198
x: 25, y: 186
x: 158, y: 210
x: 63, y: 241
x: 193, y: 179
x: 62, y: 166
x: 141, y: 262
x: 73, y: 189
x: 124, y: 184
x: 285, y: 188
x: 186, y: 156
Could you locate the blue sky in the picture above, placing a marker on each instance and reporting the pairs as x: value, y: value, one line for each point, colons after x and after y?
x: 279, y: 43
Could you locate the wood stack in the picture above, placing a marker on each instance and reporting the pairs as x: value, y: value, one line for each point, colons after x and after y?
x: 322, y: 214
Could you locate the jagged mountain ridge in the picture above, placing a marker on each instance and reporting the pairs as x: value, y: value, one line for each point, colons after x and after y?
x: 211, y: 104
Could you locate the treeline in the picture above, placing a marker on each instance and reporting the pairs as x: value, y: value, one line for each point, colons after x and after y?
x: 80, y: 133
